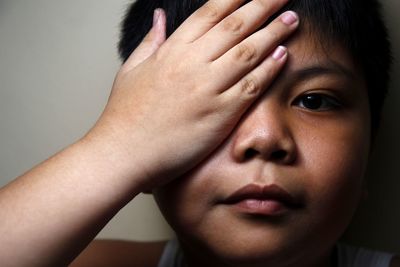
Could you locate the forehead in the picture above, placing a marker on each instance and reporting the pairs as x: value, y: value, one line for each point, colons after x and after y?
x: 313, y: 63
x: 309, y: 50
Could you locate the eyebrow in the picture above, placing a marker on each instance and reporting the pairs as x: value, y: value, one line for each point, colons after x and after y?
x: 324, y: 68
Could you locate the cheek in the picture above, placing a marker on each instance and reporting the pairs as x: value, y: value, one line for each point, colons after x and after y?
x: 336, y: 159
x: 187, y: 203
x: 180, y: 200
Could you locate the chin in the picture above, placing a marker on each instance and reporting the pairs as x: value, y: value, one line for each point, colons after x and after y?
x: 252, y: 248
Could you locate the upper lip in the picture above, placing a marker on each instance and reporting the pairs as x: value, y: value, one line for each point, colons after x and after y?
x: 267, y: 192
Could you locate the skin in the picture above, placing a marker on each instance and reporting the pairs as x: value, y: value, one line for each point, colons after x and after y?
x: 56, y: 209
x: 323, y: 162
x: 322, y: 157
x: 325, y: 152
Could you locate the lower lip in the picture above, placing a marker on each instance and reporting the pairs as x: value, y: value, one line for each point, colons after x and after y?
x: 261, y: 207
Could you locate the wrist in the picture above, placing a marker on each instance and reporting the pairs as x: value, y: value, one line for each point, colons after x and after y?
x: 113, y: 160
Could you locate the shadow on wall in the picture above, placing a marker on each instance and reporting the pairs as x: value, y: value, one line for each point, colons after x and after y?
x: 377, y: 223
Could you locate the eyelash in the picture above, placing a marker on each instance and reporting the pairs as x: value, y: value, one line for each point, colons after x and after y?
x: 322, y: 102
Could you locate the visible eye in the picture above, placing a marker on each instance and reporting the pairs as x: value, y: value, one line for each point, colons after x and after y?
x: 317, y: 102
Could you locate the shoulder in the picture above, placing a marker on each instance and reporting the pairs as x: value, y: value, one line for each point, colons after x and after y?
x: 395, y: 261
x: 120, y: 253
x: 363, y: 257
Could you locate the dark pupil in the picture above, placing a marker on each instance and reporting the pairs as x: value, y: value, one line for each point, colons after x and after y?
x: 312, y: 101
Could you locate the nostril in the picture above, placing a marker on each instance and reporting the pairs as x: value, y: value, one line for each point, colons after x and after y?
x: 278, y: 155
x: 250, y: 153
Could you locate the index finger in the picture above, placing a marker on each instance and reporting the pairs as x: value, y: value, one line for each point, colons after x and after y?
x: 206, y: 17
x: 238, y: 25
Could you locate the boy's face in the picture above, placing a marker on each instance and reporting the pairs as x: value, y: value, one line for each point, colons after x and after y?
x: 309, y: 136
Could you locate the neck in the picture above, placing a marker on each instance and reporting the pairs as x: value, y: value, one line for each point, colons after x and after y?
x: 200, y: 258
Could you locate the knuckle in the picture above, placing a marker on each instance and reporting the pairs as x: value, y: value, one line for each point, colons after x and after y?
x: 274, y: 36
x: 158, y: 55
x: 270, y: 72
x: 250, y: 86
x: 245, y: 52
x: 264, y: 4
x: 233, y: 25
x: 210, y: 11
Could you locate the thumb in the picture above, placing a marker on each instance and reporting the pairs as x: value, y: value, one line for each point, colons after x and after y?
x: 151, y: 42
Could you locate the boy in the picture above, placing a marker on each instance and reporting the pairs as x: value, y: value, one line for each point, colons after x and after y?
x: 340, y: 29
x: 248, y: 171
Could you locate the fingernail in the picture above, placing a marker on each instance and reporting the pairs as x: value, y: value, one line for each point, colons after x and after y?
x: 156, y: 16
x: 279, y: 52
x: 289, y: 17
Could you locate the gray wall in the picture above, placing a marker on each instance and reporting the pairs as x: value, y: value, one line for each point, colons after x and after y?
x: 57, y: 64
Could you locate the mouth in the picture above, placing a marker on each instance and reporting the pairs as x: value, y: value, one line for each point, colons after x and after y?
x: 269, y: 200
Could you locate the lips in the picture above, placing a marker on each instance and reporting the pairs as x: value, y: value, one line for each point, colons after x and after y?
x: 270, y: 200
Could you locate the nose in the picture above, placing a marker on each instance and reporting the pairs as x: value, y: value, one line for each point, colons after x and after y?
x: 265, y: 132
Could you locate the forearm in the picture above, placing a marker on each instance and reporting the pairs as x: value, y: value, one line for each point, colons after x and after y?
x: 53, y: 211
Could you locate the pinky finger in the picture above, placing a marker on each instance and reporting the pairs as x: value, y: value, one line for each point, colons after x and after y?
x: 241, y: 95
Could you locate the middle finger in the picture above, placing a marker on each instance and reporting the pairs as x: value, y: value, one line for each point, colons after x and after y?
x: 237, y: 26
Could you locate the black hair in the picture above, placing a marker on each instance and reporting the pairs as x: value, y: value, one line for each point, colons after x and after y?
x: 355, y: 24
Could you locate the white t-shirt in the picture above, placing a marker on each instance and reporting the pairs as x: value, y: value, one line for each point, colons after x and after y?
x: 347, y: 256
